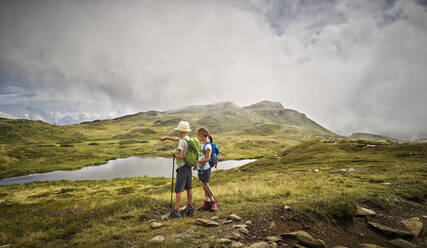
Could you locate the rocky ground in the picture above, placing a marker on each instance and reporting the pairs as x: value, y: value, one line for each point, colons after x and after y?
x: 374, y: 226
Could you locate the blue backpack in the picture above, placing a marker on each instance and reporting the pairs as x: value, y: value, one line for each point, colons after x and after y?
x: 213, y: 160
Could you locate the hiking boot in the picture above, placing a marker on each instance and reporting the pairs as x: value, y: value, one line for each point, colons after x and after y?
x: 205, y: 206
x: 175, y: 214
x: 189, y: 211
x: 213, y: 206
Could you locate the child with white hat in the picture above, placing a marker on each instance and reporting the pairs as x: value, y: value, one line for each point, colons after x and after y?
x: 184, y: 177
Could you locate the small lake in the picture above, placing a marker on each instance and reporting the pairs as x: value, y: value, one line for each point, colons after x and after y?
x: 122, y: 167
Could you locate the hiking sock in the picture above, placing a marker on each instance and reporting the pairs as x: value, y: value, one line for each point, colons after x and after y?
x: 212, y: 198
x: 207, y: 199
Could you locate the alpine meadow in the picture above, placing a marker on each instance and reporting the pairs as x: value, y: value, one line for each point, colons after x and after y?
x: 305, y: 177
x: 213, y: 124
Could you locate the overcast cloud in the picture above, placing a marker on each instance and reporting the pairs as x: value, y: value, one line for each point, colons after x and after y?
x: 352, y: 66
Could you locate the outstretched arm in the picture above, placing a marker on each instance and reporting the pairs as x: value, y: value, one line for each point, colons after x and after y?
x: 169, y: 138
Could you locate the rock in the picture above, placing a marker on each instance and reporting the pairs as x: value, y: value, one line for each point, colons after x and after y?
x: 155, y: 225
x: 400, y: 243
x: 316, y: 170
x: 157, y: 240
x: 243, y: 230
x: 164, y: 217
x: 214, y: 218
x: 414, y: 225
x: 228, y: 221
x: 272, y: 238
x: 224, y: 241
x: 339, y: 246
x: 390, y: 231
x: 425, y: 216
x: 260, y: 244
x: 306, y: 239
x: 240, y: 225
x: 2, y: 202
x: 370, y: 246
x: 365, y: 211
x: 272, y: 244
x: 299, y: 246
x: 5, y: 246
x: 272, y: 225
x: 248, y: 222
x: 235, y: 236
x: 287, y: 207
x: 234, y: 217
x: 204, y: 222
x: 237, y: 245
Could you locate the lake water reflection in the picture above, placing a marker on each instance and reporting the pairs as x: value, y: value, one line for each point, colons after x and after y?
x: 123, y: 167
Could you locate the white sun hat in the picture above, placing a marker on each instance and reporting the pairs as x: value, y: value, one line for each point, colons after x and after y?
x: 183, y: 126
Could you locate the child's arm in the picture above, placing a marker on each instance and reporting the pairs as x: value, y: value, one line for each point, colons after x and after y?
x: 207, y: 156
x: 169, y: 138
x: 179, y: 154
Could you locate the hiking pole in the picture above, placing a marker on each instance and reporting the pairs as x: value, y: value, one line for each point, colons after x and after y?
x: 210, y: 191
x: 173, y: 170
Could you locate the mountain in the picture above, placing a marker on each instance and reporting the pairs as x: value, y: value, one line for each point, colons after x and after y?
x: 373, y: 137
x: 265, y: 116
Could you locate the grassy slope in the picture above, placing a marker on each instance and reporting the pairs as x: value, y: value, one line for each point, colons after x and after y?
x: 251, y: 132
x: 116, y: 213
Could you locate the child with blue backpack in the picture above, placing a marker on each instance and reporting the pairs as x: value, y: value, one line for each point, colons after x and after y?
x: 208, y: 159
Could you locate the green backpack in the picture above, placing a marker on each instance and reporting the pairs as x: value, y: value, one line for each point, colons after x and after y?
x: 194, y: 151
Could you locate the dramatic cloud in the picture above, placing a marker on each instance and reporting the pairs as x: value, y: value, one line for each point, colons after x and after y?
x: 350, y: 65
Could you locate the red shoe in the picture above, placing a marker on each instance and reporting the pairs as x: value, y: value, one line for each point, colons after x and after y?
x: 214, y: 208
x: 205, y: 206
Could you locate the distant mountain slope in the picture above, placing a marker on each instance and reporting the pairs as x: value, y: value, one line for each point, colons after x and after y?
x: 228, y: 117
x: 369, y: 136
x: 19, y: 130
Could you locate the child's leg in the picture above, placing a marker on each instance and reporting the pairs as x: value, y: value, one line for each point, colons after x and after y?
x: 178, y: 200
x: 190, y: 197
x: 206, y: 189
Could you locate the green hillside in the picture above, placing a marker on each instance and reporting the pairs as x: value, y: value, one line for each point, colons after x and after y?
x: 254, y: 131
x: 322, y: 183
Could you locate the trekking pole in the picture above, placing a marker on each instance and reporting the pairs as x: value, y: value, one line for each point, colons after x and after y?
x: 173, y: 170
x: 210, y: 191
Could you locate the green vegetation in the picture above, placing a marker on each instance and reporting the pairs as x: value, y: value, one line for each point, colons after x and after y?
x: 300, y: 164
x: 310, y: 177
x: 251, y: 132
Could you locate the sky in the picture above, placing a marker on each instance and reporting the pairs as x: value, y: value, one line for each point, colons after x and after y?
x: 351, y: 66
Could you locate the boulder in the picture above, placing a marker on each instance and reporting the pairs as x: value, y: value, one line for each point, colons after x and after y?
x: 155, y: 225
x: 306, y: 239
x: 244, y: 230
x: 204, y: 222
x: 235, y: 236
x: 237, y: 245
x: 365, y: 211
x: 214, y: 218
x: 272, y: 238
x: 414, y: 225
x: 240, y: 225
x: 157, y: 239
x: 234, y: 217
x: 370, y: 246
x: 260, y: 244
x: 390, y: 231
x: 248, y: 222
x: 400, y: 243
x: 224, y: 241
x: 228, y: 221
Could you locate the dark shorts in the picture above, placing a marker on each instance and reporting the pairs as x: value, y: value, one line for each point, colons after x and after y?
x: 184, y: 179
x: 204, y: 175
